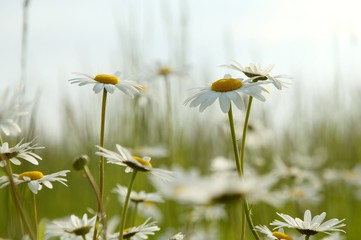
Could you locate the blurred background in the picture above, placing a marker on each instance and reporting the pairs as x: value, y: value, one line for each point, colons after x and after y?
x: 315, y: 42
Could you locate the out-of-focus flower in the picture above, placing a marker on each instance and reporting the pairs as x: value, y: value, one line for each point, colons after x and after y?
x: 10, y: 110
x: 107, y: 82
x: 310, y: 226
x: 226, y: 90
x: 178, y: 236
x: 144, y: 201
x: 192, y: 188
x: 36, y: 179
x: 20, y: 151
x: 123, y: 158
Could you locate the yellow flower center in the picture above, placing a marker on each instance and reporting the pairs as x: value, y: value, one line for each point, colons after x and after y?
x: 164, y: 71
x: 107, y: 79
x: 226, y: 84
x: 33, y: 175
x: 280, y: 235
x: 142, y: 161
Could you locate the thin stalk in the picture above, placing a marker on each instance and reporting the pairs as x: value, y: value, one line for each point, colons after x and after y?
x: 101, y: 164
x: 234, y: 141
x: 19, y: 206
x: 24, y: 41
x: 97, y: 194
x: 125, y: 209
x: 101, y: 158
x: 35, y: 215
x: 135, y: 212
x: 307, y: 237
x: 243, y: 144
x: 244, y: 134
x: 169, y: 115
x: 249, y: 220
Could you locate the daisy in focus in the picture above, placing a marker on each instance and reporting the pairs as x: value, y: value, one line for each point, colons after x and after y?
x: 275, y: 235
x: 310, y: 226
x: 71, y: 227
x: 226, y: 90
x: 36, y: 179
x: 20, y: 151
x: 132, y: 163
x: 107, y: 82
x: 139, y: 232
x: 257, y: 73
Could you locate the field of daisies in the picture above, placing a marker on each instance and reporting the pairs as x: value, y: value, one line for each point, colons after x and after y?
x: 141, y: 166
x: 168, y: 157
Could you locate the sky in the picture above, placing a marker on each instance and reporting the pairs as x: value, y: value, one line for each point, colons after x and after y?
x: 317, y: 42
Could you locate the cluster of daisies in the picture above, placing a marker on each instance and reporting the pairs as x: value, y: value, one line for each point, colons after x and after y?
x: 208, y: 194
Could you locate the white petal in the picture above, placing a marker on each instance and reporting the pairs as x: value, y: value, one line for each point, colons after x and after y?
x: 224, y: 103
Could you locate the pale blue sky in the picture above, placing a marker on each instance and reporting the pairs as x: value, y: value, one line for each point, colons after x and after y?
x: 305, y: 39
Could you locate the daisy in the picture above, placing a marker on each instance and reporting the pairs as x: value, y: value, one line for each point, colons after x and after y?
x: 71, y: 227
x: 36, y: 179
x: 275, y: 235
x: 107, y: 82
x: 227, y: 90
x: 139, y: 232
x: 20, y: 151
x: 257, y: 73
x: 123, y: 158
x: 310, y: 226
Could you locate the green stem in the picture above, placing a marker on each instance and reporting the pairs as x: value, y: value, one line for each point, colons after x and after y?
x: 247, y: 210
x: 244, y: 134
x: 125, y: 209
x: 234, y: 141
x: 97, y: 194
x: 307, y: 237
x: 101, y: 165
x: 135, y: 213
x: 35, y: 215
x: 19, y: 206
x: 101, y: 158
x: 249, y: 219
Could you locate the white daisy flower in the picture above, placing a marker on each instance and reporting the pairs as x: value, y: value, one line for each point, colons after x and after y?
x: 36, y: 179
x: 71, y: 227
x: 227, y: 90
x: 273, y: 235
x: 20, y: 151
x: 107, y: 82
x: 310, y: 226
x: 257, y: 73
x: 124, y: 158
x: 139, y: 232
x: 10, y: 110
